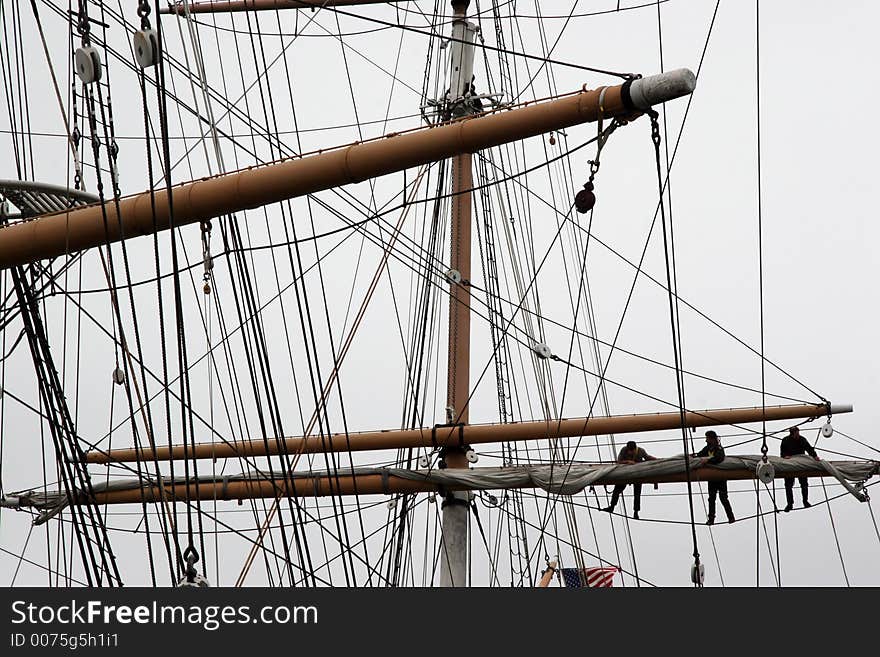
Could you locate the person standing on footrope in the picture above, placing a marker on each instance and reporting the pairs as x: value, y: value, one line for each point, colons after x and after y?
x: 715, y: 452
x: 794, y: 444
x: 630, y: 454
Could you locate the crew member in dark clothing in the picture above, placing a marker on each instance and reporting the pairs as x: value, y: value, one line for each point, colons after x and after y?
x: 715, y: 452
x: 794, y: 444
x: 631, y: 453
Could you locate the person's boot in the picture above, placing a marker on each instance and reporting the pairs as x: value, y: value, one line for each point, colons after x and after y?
x: 729, y: 511
x: 710, y: 520
x: 787, y: 507
x: 635, y: 515
x: 805, y: 493
x: 608, y: 509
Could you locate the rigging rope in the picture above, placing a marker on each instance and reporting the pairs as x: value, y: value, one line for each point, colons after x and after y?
x: 760, y: 214
x: 486, y: 47
x: 655, y: 138
x: 833, y: 526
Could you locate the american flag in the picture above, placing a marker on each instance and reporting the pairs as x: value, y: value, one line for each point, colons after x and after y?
x: 588, y: 577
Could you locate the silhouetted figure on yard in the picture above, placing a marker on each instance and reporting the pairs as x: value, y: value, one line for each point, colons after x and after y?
x: 631, y: 453
x: 715, y: 452
x: 794, y: 444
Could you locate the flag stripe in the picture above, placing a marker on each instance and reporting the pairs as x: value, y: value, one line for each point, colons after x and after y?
x: 589, y: 577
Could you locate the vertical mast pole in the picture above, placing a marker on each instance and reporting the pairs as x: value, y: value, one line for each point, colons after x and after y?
x: 453, y: 551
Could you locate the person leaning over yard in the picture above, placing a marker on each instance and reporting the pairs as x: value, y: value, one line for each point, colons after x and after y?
x: 630, y: 454
x: 715, y: 452
x: 794, y: 444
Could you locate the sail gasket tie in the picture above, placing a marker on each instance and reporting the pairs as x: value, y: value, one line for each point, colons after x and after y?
x: 347, y: 167
x: 385, y: 489
x: 625, y: 95
x: 224, y: 489
x: 601, y: 107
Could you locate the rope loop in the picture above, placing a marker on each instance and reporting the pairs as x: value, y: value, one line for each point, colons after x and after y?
x: 191, y: 557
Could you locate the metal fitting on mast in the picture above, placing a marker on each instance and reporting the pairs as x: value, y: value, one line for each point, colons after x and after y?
x: 643, y: 93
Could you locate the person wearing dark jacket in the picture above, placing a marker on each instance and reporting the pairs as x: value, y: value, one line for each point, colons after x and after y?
x: 715, y: 452
x: 794, y: 444
x: 630, y: 454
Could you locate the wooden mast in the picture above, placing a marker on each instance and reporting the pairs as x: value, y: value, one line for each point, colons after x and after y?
x: 472, y: 434
x: 456, y: 505
x: 67, y: 232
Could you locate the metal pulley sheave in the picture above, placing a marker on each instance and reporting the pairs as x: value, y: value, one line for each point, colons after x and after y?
x: 146, y: 48
x: 88, y: 64
x: 542, y: 350
x: 198, y: 582
x: 765, y: 472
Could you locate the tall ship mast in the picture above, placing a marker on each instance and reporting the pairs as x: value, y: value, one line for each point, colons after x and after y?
x: 355, y: 293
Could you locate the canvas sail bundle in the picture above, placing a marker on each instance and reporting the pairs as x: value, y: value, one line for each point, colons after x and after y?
x: 559, y: 479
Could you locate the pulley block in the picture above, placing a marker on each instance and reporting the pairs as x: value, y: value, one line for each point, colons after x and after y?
x: 585, y: 199
x: 146, y: 48
x: 765, y: 472
x: 88, y: 64
x: 197, y: 582
x: 542, y: 350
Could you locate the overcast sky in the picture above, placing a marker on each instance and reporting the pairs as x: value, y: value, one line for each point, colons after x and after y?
x: 819, y: 234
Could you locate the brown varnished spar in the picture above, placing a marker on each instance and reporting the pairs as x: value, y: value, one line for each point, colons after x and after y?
x: 226, y: 6
x: 67, y: 232
x: 364, y: 484
x: 472, y: 434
